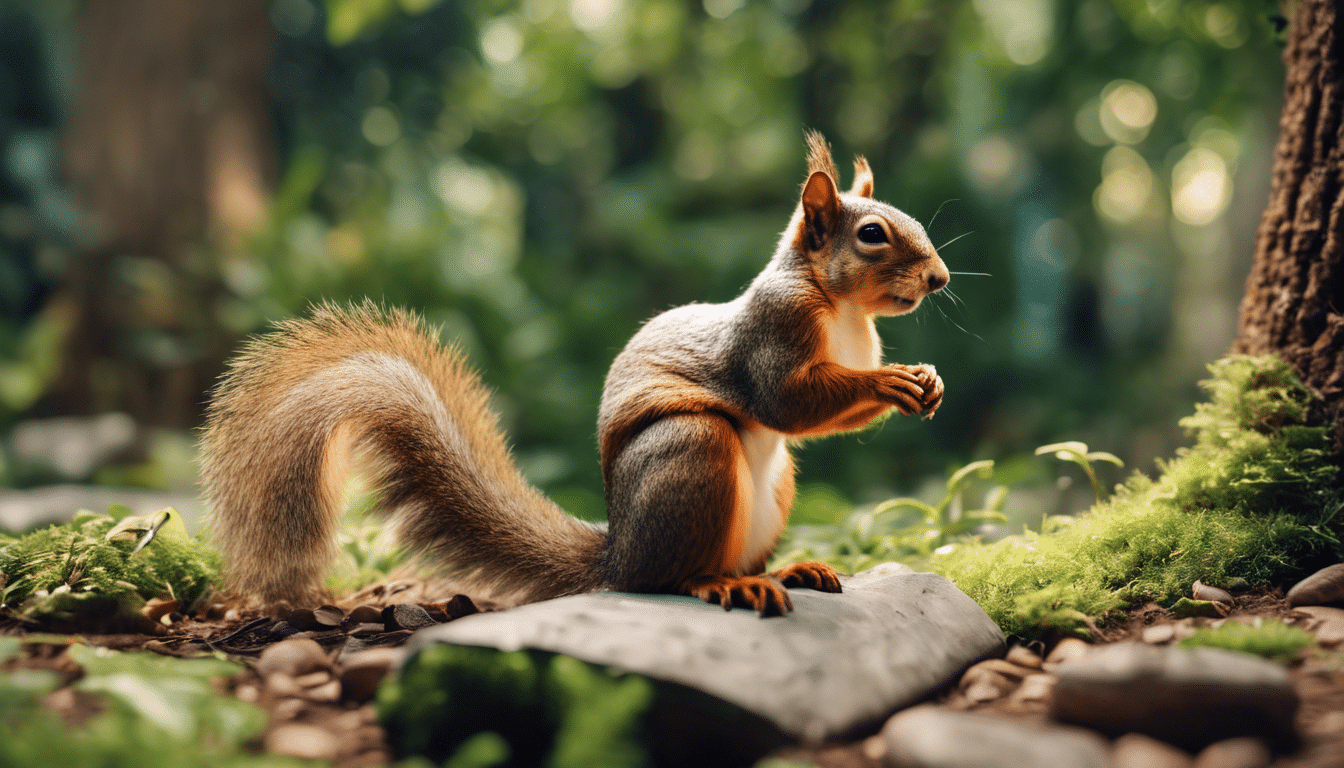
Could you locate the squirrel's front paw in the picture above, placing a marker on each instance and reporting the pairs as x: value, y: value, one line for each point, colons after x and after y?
x: 899, y: 385
x: 809, y: 575
x: 764, y: 595
x: 931, y: 385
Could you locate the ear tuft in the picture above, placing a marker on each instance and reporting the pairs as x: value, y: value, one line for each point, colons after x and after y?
x: 863, y: 178
x: 821, y: 210
x: 819, y: 156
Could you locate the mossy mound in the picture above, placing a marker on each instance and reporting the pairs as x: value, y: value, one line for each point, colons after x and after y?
x: 67, y: 571
x: 1255, y: 498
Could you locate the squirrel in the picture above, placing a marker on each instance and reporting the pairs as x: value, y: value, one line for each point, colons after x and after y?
x: 696, y: 417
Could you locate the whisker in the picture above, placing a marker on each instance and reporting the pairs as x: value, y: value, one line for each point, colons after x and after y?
x: 954, y: 322
x: 954, y: 297
x: 935, y: 213
x: 973, y: 274
x: 953, y: 240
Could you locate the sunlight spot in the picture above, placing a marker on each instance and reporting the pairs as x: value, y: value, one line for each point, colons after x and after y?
x: 1128, y: 110
x: 1200, y: 187
x: 501, y: 42
x: 1126, y: 185
x: 381, y: 127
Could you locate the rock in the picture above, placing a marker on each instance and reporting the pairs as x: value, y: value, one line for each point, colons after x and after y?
x: 1202, y: 591
x: 313, y: 679
x: 1235, y: 753
x: 1035, y: 688
x: 1321, y: 587
x: 1023, y: 656
x: 364, y: 614
x: 931, y: 737
x: 1159, y: 634
x: 281, y: 685
x: 304, y: 741
x: 406, y: 616
x: 329, y: 616
x: 1327, y: 623
x: 362, y: 672
x: 1067, y: 649
x: 1189, y: 697
x: 837, y: 664
x: 459, y: 606
x: 1000, y: 666
x: 292, y: 657
x: 1186, y: 608
x: 1134, y: 750
x: 327, y: 693
x: 304, y: 620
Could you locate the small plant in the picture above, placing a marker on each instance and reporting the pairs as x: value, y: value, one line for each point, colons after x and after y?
x: 1077, y: 453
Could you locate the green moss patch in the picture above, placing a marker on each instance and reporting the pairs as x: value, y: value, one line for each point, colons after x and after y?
x: 1254, y: 498
x: 1272, y: 639
x: 96, y: 566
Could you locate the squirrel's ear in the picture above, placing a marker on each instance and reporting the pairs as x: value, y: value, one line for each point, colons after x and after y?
x: 863, y: 178
x: 821, y: 210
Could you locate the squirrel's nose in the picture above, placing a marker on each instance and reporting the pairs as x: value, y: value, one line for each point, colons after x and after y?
x: 937, y: 277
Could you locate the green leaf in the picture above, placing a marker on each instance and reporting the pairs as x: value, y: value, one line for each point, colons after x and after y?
x: 983, y: 469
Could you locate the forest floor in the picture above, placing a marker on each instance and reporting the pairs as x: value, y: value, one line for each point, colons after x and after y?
x: 321, y: 706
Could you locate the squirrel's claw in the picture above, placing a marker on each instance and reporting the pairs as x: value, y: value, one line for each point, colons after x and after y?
x: 809, y: 575
x: 763, y: 594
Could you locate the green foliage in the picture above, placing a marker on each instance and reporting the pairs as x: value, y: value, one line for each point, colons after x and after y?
x: 1271, y: 639
x: 1255, y: 498
x: 159, y: 713
x: 95, y: 561
x: 484, y: 707
x: 1077, y: 453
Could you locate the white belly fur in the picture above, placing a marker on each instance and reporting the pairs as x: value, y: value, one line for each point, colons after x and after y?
x: 767, y: 461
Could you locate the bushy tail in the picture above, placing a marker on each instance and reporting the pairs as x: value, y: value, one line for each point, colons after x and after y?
x: 373, y: 385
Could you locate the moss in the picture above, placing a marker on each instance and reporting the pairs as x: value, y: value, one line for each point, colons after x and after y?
x: 64, y: 567
x: 1272, y: 639
x: 1255, y: 498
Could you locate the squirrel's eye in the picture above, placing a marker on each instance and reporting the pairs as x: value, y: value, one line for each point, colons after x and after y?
x: 872, y: 234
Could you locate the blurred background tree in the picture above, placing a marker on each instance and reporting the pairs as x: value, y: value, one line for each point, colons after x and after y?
x: 540, y: 177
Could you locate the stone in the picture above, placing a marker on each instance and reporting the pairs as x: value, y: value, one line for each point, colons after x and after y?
x: 837, y: 664
x: 329, y: 616
x: 304, y: 741
x: 1065, y: 650
x: 363, y: 672
x: 1134, y: 750
x: 1321, y: 587
x: 999, y: 666
x: 327, y: 693
x: 1023, y: 656
x: 364, y: 614
x: 1189, y: 697
x: 1159, y: 634
x: 293, y: 657
x: 1327, y: 623
x: 1202, y: 591
x: 1235, y: 753
x: 931, y: 737
x: 406, y: 616
x: 459, y: 606
x: 304, y: 620
x: 1035, y: 688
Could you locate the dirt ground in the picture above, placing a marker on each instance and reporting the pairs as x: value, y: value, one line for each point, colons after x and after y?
x: 325, y: 711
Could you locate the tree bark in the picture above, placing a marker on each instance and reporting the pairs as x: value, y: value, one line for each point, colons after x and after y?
x: 1294, y: 301
x: 169, y: 148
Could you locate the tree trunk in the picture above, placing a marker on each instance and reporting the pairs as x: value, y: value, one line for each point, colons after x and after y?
x: 1294, y: 301
x: 168, y: 147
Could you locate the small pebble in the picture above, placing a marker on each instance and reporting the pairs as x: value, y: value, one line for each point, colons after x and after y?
x: 364, y: 614
x: 327, y: 693
x: 365, y: 630
x: 406, y: 616
x: 1235, y: 753
x: 985, y: 690
x: 1067, y: 649
x: 287, y: 709
x: 1202, y: 591
x: 1035, y: 688
x: 999, y: 666
x: 1134, y: 750
x: 304, y: 620
x: 363, y: 672
x: 1159, y: 634
x: 292, y: 657
x: 1023, y: 656
x: 329, y: 616
x: 281, y: 685
x: 1323, y: 586
x: 313, y: 679
x: 459, y: 606
x: 303, y: 741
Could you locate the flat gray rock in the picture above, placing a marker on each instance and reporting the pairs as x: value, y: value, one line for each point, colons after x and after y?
x: 933, y: 737
x: 1189, y: 697
x: 837, y: 664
